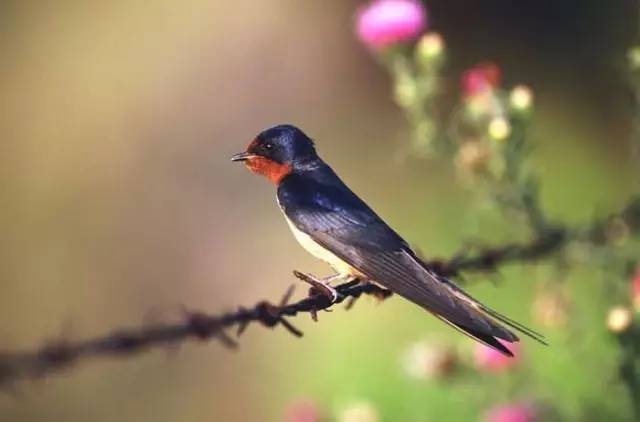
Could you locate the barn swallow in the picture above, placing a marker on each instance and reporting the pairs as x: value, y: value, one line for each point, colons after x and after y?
x: 335, y: 225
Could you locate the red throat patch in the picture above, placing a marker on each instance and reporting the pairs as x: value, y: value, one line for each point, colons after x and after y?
x: 268, y: 168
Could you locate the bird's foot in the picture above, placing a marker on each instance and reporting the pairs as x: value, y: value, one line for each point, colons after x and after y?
x: 320, y: 285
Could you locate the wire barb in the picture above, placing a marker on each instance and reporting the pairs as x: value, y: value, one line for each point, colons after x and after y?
x: 61, y: 354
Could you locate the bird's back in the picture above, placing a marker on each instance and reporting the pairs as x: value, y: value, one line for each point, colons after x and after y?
x: 321, y: 206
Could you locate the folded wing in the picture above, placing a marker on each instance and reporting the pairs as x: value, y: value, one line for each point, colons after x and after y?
x: 358, y: 236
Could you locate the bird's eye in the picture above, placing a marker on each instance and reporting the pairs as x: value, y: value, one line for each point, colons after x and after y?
x: 268, y: 145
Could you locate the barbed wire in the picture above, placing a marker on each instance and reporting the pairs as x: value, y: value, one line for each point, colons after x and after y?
x: 62, y: 354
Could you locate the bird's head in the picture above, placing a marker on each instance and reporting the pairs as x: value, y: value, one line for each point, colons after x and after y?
x: 277, y: 152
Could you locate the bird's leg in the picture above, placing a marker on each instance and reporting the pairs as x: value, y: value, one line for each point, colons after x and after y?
x: 358, y: 281
x: 343, y: 278
x: 322, y: 284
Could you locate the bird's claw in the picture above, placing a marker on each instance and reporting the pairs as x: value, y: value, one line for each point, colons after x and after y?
x: 319, y: 285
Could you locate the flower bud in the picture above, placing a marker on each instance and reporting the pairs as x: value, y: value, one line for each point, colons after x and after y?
x: 619, y: 319
x: 429, y: 48
x: 481, y: 79
x: 551, y: 307
x: 499, y: 128
x: 490, y: 360
x: 517, y: 412
x: 425, y: 360
x: 633, y: 57
x: 521, y: 98
x: 473, y: 157
x: 303, y: 411
x: 360, y: 412
x: 383, y: 23
x: 405, y: 92
x: 635, y: 290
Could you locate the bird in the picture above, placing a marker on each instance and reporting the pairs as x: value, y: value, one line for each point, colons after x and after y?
x: 333, y: 224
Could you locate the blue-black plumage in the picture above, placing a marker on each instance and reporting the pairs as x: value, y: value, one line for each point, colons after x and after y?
x: 335, y: 225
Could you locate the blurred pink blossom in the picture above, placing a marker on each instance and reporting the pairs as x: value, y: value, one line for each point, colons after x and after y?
x: 635, y: 289
x: 481, y: 79
x: 490, y: 360
x: 512, y: 413
x: 385, y: 22
x: 303, y: 411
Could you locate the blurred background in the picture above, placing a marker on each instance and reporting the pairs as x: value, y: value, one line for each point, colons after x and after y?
x: 120, y: 204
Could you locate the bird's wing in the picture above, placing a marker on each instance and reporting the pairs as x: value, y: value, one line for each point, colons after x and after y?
x: 358, y: 236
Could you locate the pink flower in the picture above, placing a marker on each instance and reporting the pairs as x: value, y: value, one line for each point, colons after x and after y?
x: 635, y: 289
x: 481, y: 79
x: 385, y: 22
x: 512, y: 413
x: 303, y: 411
x: 490, y: 360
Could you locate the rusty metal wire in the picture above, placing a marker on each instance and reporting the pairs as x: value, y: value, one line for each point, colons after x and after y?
x: 57, y: 355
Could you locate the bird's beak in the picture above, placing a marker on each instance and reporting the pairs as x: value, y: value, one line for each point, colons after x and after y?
x: 242, y: 156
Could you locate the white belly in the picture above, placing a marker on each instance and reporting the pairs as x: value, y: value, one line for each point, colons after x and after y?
x: 322, y: 253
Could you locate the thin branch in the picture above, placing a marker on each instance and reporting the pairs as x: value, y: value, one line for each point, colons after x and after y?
x: 54, y: 356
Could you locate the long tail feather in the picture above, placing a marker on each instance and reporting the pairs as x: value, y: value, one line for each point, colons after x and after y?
x: 494, y: 314
x: 515, y: 325
x: 483, y: 338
